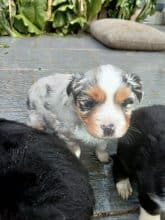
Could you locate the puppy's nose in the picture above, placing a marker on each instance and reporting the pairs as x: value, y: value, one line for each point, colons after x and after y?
x: 108, y: 130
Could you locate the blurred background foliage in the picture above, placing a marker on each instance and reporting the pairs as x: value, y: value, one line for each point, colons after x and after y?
x: 62, y: 17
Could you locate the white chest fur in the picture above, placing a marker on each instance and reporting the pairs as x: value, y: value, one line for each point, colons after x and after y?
x: 82, y: 134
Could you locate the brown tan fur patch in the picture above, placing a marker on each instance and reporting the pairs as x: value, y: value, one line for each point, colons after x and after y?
x: 97, y: 94
x: 90, y: 125
x: 89, y: 121
x: 122, y: 94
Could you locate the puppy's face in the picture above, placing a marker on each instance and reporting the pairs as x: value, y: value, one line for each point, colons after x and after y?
x: 103, y: 100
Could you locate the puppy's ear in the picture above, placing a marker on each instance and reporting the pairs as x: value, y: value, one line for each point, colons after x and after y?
x: 134, y: 82
x: 69, y: 88
x: 75, y: 85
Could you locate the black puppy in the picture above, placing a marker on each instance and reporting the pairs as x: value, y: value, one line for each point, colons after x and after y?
x: 39, y: 178
x: 141, y: 154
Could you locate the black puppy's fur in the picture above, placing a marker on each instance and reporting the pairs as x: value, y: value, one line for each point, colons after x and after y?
x: 39, y: 178
x: 141, y: 154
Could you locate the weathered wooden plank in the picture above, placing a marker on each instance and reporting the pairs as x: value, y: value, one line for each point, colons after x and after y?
x: 68, y: 61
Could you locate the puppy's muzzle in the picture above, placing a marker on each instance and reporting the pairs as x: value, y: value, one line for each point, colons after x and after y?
x: 108, y: 130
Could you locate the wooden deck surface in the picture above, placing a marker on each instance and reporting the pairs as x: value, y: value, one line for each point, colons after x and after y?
x: 28, y: 59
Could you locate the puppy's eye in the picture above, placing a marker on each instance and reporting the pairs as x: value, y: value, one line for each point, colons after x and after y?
x: 89, y: 104
x: 127, y: 102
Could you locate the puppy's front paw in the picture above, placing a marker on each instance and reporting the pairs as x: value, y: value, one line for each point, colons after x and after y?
x: 124, y: 188
x: 103, y: 156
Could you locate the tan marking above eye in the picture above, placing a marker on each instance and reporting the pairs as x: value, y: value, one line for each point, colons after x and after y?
x: 96, y: 93
x: 122, y: 94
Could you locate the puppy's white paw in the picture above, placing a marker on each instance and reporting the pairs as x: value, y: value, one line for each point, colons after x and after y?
x: 38, y: 126
x: 36, y: 122
x: 124, y: 188
x: 144, y: 215
x: 102, y: 156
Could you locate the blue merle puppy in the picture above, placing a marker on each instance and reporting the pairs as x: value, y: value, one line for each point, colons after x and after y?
x: 91, y: 107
